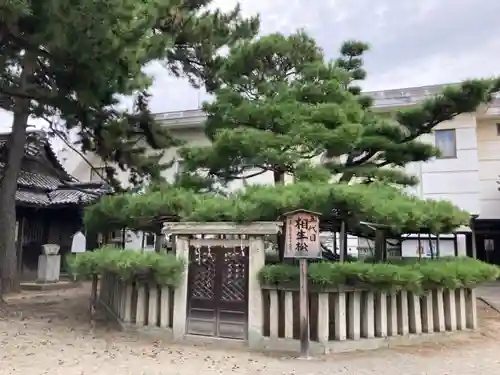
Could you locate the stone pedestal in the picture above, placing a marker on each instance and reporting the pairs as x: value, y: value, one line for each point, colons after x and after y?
x: 49, y: 268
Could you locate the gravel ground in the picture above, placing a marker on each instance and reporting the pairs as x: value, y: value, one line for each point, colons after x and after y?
x: 50, y: 334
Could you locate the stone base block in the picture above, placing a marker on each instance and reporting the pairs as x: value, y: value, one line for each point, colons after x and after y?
x: 49, y: 268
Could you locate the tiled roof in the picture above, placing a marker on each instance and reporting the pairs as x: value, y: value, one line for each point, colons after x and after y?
x: 42, y: 190
x: 37, y: 142
x: 36, y: 180
x: 60, y: 196
x: 64, y: 196
x: 32, y: 197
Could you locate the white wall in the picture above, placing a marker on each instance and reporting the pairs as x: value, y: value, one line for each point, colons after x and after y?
x: 352, y: 242
x: 192, y: 136
x: 81, y: 169
x: 410, y: 246
x: 457, y: 179
x: 489, y: 168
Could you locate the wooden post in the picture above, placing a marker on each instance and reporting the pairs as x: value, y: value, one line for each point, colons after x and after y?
x: 431, y: 248
x: 93, y: 297
x: 159, y: 242
x: 335, y: 243
x: 304, y: 309
x: 341, y: 241
x: 419, y: 246
x: 455, y: 244
x: 472, y: 226
x: 380, y: 248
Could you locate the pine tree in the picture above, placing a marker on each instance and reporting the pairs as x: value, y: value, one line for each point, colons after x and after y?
x: 280, y: 107
x: 70, y: 61
x: 281, y: 104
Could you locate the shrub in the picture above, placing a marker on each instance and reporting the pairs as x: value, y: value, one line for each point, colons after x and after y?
x: 407, y: 274
x: 128, y: 265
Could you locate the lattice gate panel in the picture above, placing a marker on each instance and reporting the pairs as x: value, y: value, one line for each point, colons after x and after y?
x: 217, y: 292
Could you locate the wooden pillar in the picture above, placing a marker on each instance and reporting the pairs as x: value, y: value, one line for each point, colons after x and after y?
x: 472, y: 226
x: 380, y: 246
x: 342, y: 241
x: 159, y: 242
x: 344, y: 249
x: 419, y: 245
x: 335, y: 242
x: 455, y: 244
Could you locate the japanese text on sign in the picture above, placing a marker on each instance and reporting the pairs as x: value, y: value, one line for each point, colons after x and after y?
x: 302, y: 232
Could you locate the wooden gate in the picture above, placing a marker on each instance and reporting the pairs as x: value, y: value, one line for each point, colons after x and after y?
x: 218, y: 292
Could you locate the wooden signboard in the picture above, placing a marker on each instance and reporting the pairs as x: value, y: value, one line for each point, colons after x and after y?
x: 302, y: 242
x: 302, y: 235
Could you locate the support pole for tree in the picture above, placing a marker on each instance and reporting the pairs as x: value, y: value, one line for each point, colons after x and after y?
x: 93, y: 296
x: 472, y: 226
x: 341, y: 242
x: 455, y: 244
x: 380, y: 246
x: 159, y: 242
x: 123, y: 238
x: 419, y: 246
x: 335, y: 242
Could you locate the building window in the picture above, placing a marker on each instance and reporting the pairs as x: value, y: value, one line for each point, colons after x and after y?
x: 446, y: 143
x: 97, y: 174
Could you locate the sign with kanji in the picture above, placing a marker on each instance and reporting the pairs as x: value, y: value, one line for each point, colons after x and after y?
x: 302, y: 234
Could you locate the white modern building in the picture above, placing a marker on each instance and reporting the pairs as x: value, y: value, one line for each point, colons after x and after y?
x: 466, y: 174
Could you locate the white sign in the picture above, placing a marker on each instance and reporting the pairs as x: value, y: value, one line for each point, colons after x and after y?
x: 302, y: 235
x: 489, y: 244
x: 79, y: 244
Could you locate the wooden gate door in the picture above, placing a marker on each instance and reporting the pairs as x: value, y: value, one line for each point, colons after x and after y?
x: 217, y: 292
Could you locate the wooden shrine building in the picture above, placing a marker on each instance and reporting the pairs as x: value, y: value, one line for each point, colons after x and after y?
x: 49, y: 202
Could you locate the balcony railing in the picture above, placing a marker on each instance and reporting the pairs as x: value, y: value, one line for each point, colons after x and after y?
x: 382, y: 99
x: 187, y: 114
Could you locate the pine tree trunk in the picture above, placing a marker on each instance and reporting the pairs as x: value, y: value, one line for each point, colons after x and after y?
x: 9, y: 281
x: 279, y: 179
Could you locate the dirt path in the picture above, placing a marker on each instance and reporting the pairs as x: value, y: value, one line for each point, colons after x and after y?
x: 50, y: 334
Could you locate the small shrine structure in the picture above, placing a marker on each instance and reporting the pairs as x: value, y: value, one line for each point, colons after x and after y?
x: 49, y: 202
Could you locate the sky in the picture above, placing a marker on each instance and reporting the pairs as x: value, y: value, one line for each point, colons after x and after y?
x: 413, y: 42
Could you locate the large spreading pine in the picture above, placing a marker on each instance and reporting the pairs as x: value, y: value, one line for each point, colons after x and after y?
x: 281, y: 105
x: 279, y: 108
x: 71, y: 60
